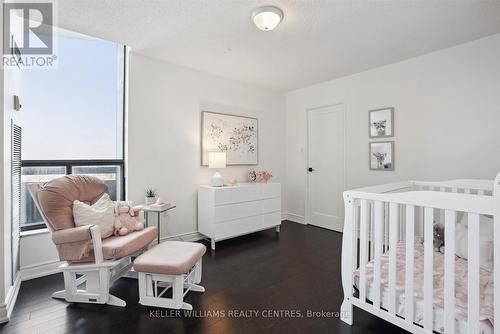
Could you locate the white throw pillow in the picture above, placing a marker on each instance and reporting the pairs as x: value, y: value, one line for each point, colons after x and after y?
x: 101, y: 213
x: 485, y: 240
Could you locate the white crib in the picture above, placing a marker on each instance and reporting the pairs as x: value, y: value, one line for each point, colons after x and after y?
x: 381, y: 219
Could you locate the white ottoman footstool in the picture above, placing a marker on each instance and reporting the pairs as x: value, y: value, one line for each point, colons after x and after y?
x: 171, y: 264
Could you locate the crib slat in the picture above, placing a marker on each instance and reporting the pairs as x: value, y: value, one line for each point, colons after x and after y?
x: 372, y: 231
x: 473, y: 273
x: 410, y: 243
x: 386, y: 226
x: 496, y: 261
x: 420, y: 227
x: 403, y: 223
x: 355, y: 238
x: 428, y: 267
x: 496, y: 251
x: 363, y: 230
x: 378, y: 221
x: 393, y: 235
x: 449, y: 272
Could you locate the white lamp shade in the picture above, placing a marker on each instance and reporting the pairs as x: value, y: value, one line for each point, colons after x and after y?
x: 217, y: 160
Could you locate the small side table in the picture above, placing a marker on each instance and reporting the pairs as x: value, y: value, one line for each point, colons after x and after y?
x: 147, y: 210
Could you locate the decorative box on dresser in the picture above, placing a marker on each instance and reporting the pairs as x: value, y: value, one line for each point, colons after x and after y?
x: 227, y: 212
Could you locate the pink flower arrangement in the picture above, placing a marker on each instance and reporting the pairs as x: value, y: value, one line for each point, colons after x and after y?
x: 263, y: 176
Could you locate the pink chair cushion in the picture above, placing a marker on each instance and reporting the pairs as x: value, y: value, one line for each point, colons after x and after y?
x: 73, y: 243
x: 56, y: 198
x: 170, y: 258
x: 117, y: 247
x: 70, y: 235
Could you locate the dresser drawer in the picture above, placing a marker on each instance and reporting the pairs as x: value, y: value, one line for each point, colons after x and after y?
x: 242, y: 226
x: 237, y: 227
x: 247, y: 193
x: 236, y: 211
x: 237, y: 194
x: 271, y: 190
x: 246, y: 209
x: 271, y: 205
x: 271, y: 219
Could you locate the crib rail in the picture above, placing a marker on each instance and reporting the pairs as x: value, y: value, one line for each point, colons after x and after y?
x: 467, y: 186
x: 377, y: 218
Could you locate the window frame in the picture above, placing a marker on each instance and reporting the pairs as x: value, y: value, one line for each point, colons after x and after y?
x: 69, y: 164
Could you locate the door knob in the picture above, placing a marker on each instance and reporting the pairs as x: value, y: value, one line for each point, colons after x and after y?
x: 310, y: 169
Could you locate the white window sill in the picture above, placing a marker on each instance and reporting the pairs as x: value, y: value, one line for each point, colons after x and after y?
x: 34, y: 232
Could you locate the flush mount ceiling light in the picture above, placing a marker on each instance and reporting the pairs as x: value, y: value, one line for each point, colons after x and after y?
x: 267, y: 18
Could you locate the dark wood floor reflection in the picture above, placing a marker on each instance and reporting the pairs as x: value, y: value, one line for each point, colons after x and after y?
x: 260, y: 283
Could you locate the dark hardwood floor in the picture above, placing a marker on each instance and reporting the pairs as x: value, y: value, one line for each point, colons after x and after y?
x: 290, y: 274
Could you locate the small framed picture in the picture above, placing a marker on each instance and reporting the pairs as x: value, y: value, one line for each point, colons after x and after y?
x: 381, y: 123
x: 382, y: 155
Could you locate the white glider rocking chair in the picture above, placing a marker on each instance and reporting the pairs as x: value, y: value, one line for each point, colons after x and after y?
x: 91, y: 264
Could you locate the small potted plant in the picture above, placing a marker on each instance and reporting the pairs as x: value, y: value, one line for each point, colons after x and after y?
x: 150, y: 196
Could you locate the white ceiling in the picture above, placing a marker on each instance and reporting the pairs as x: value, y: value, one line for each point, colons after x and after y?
x: 318, y: 40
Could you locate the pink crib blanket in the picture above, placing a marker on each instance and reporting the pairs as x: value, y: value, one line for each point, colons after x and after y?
x: 486, y: 280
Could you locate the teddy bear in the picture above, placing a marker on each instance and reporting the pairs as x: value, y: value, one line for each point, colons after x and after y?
x: 126, y: 220
x: 438, y: 238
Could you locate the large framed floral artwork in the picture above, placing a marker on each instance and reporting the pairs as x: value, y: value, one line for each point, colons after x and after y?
x: 233, y: 134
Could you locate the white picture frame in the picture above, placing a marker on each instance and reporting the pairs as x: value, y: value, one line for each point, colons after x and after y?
x: 236, y: 135
x: 381, y: 123
x: 381, y: 155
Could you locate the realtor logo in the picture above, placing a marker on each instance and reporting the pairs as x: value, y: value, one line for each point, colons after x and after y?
x: 33, y: 24
x: 28, y: 35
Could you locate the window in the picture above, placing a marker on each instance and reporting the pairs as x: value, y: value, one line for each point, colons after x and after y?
x: 111, y: 175
x: 73, y: 118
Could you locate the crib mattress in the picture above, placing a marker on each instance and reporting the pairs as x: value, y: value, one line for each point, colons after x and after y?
x: 486, y: 289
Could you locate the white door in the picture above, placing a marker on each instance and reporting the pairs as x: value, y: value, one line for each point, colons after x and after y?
x: 326, y: 167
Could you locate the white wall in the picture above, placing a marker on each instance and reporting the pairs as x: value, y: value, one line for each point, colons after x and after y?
x: 447, y: 117
x: 165, y: 103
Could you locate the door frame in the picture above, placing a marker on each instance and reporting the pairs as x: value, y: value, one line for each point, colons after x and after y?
x: 307, y: 218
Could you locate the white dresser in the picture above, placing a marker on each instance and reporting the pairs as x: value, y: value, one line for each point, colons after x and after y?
x: 227, y: 212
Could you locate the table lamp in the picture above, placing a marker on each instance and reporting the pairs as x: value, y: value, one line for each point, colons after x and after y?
x: 217, y: 160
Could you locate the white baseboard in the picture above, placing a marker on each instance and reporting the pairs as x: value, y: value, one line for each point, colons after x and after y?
x: 10, y: 300
x: 294, y: 218
x: 40, y: 269
x: 190, y: 236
